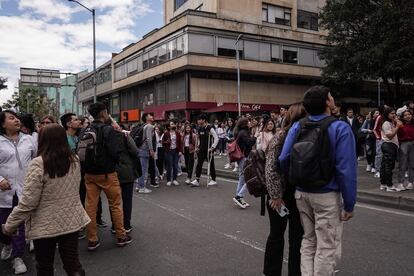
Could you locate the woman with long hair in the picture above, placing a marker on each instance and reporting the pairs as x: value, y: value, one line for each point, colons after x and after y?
x: 280, y: 193
x: 189, y: 143
x: 16, y: 151
x: 245, y: 142
x: 367, y: 129
x: 266, y: 134
x: 406, y: 151
x: 50, y: 204
x: 159, y: 160
x: 171, y: 142
x: 46, y: 120
x: 229, y: 137
x: 390, y: 145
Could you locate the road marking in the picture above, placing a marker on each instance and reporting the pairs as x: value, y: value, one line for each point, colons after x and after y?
x: 255, y: 245
x: 384, y: 210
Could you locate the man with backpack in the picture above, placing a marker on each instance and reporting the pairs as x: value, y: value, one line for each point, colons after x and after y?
x: 100, y: 149
x: 144, y: 141
x: 318, y: 158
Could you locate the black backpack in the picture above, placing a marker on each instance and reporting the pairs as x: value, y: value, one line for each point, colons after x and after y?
x: 311, y: 163
x: 90, y: 147
x: 137, y: 134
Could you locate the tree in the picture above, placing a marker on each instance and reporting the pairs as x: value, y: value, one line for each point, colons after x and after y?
x: 369, y: 39
x: 30, y: 100
x: 3, y: 83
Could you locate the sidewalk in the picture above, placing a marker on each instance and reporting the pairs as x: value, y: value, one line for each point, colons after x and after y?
x: 368, y: 187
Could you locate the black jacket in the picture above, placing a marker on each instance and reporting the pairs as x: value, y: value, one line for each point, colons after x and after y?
x: 129, y: 166
x: 109, y: 150
x: 245, y: 141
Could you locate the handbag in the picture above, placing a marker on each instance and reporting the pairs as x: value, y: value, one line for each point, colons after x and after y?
x: 234, y: 151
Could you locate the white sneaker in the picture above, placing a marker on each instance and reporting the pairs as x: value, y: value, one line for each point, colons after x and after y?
x: 168, y: 184
x: 373, y: 170
x: 19, y: 266
x: 31, y: 247
x: 393, y: 188
x: 369, y: 168
x: 188, y: 181
x: 212, y: 183
x: 383, y: 187
x: 244, y: 202
x: 401, y: 187
x: 235, y: 169
x: 175, y: 182
x: 144, y: 191
x: 227, y: 166
x: 377, y: 175
x: 195, y: 183
x: 179, y: 174
x: 409, y: 186
x: 406, y: 175
x: 6, y: 252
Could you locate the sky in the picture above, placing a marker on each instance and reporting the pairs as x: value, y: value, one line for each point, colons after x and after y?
x: 57, y: 34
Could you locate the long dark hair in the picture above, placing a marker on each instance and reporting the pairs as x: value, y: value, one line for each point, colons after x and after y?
x: 242, y: 123
x: 55, y: 151
x: 402, y: 117
x: 387, y: 111
x: 295, y: 112
x: 3, y: 120
x: 191, y: 132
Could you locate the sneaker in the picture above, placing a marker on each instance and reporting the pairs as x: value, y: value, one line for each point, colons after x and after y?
x: 188, y: 181
x: 101, y: 223
x: 6, y: 252
x: 227, y: 166
x: 154, y: 185
x: 124, y: 242
x: 377, y: 175
x: 175, y: 183
x: 239, y: 203
x: 128, y: 229
x: 212, y: 183
x: 369, y: 168
x: 401, y: 187
x: 383, y: 187
x: 393, y: 188
x: 409, y: 186
x: 93, y: 245
x: 81, y: 235
x: 195, y: 183
x: 157, y: 180
x: 235, y: 169
x: 244, y: 202
x: 406, y: 175
x: 19, y: 266
x: 144, y: 191
x: 31, y: 246
x: 373, y: 170
x: 179, y: 174
x: 168, y: 184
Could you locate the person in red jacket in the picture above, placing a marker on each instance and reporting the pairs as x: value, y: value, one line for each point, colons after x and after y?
x: 406, y: 150
x: 171, y: 142
x: 189, y: 143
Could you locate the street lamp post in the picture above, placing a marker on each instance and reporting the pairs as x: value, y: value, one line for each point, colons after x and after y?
x: 236, y: 47
x: 379, y: 92
x: 28, y: 102
x: 94, y: 48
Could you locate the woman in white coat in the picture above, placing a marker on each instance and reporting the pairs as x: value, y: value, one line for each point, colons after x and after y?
x: 16, y: 151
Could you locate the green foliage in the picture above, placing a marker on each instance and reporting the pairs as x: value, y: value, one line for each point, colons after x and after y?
x: 39, y: 104
x: 3, y: 83
x: 369, y: 39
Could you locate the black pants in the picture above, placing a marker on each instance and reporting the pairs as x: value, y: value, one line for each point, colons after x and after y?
x: 201, y: 157
x: 127, y: 193
x: 389, y: 156
x: 370, y: 149
x: 151, y: 170
x: 82, y: 193
x: 160, y: 160
x: 189, y: 162
x: 276, y: 241
x: 68, y: 250
x: 222, y: 145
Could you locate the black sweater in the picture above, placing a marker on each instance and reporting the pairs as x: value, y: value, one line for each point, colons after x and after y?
x: 245, y: 141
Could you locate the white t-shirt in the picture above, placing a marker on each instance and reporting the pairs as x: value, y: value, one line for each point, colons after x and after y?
x: 187, y: 141
x: 173, y: 140
x: 388, y: 128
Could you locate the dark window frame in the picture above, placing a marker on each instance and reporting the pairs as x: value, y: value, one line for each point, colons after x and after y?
x: 178, y: 4
x: 278, y: 21
x: 308, y: 20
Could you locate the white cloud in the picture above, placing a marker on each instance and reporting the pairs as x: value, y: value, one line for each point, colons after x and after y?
x: 46, y: 35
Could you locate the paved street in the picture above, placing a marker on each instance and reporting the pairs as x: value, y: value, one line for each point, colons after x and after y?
x: 198, y: 231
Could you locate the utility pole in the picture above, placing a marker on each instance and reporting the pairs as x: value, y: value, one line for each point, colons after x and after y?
x: 236, y: 47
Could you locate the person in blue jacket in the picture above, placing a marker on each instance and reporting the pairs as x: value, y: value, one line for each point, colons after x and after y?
x: 323, y: 211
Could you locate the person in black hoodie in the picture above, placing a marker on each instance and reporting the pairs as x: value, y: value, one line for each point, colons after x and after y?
x: 100, y: 174
x: 245, y: 142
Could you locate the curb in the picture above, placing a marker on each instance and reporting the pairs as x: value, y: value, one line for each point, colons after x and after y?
x: 395, y: 202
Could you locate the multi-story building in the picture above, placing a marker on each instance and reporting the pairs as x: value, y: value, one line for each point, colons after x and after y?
x: 188, y: 66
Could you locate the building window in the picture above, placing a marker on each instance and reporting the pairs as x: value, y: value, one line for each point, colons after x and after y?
x: 256, y: 50
x: 153, y: 58
x: 308, y: 20
x: 276, y: 53
x: 145, y: 61
x: 199, y: 43
x: 179, y: 3
x: 226, y: 47
x: 290, y: 55
x: 132, y: 66
x: 163, y: 54
x: 277, y: 15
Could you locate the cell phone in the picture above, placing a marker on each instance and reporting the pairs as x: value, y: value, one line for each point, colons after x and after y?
x: 283, y: 211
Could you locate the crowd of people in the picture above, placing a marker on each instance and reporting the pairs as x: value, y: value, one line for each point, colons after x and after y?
x: 94, y: 154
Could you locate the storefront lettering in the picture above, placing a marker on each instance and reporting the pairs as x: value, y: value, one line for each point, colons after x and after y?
x: 253, y: 107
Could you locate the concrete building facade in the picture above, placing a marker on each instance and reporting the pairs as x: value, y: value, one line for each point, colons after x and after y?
x: 188, y: 66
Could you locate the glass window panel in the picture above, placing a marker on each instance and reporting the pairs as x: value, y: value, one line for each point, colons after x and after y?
x: 153, y: 58
x: 145, y: 61
x: 140, y: 63
x: 276, y: 53
x: 264, y: 52
x: 132, y: 66
x: 172, y: 47
x: 290, y: 55
x: 228, y: 43
x: 180, y: 46
x: 306, y: 57
x: 199, y: 43
x: 163, y: 53
x: 251, y: 50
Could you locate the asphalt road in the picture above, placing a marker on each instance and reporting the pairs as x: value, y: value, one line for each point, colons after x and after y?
x: 199, y: 231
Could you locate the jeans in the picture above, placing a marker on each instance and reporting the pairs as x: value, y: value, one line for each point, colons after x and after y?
x: 189, y: 162
x: 151, y: 169
x: 370, y: 148
x: 276, y: 241
x: 406, y: 161
x: 378, y: 155
x: 109, y: 183
x: 18, y: 242
x: 68, y: 250
x: 171, y: 158
x: 241, y: 185
x: 389, y: 156
x: 222, y: 145
x: 144, y: 159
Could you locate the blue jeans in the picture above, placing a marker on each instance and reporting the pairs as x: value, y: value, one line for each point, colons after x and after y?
x: 171, y: 158
x: 144, y: 159
x: 241, y: 186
